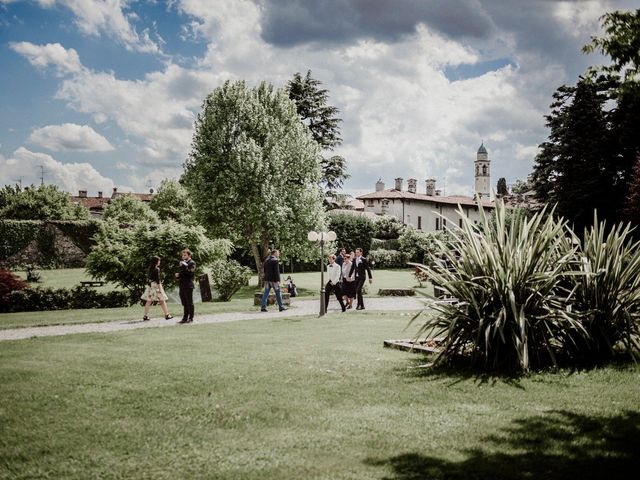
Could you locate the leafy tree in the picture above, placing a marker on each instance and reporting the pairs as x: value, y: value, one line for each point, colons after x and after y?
x: 521, y: 186
x: 387, y: 227
x: 127, y: 209
x: 622, y: 44
x: 321, y: 119
x: 45, y: 202
x: 172, y: 202
x: 228, y: 277
x: 501, y: 188
x: 633, y: 200
x: 122, y: 255
x: 253, y: 171
x: 352, y: 231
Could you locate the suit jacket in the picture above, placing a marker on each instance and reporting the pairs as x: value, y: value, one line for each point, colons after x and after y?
x: 187, y: 273
x: 360, y: 269
x: 271, y: 269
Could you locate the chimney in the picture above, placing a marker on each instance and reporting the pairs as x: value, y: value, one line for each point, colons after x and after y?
x: 82, y: 194
x: 431, y: 186
x: 411, y: 185
x: 379, y: 185
x: 399, y: 184
x: 99, y: 194
x: 115, y: 189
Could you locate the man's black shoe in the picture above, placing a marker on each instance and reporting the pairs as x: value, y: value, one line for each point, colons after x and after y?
x: 282, y: 309
x: 264, y: 310
x: 184, y: 320
x: 359, y: 308
x: 190, y: 320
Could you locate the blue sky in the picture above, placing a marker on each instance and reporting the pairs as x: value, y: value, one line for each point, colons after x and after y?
x: 103, y: 94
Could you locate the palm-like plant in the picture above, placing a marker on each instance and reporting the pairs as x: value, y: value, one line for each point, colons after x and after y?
x: 511, y: 311
x: 607, y: 296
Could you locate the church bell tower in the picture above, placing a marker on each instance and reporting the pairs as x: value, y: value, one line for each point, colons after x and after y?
x: 483, y: 174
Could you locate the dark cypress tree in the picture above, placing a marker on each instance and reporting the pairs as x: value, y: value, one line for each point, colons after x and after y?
x: 322, y: 120
x: 632, y: 209
x: 501, y: 187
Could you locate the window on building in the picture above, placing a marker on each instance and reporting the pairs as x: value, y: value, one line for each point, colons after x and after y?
x: 460, y: 223
x: 370, y: 203
x: 444, y: 223
x: 408, y: 219
x: 419, y: 223
x: 437, y: 224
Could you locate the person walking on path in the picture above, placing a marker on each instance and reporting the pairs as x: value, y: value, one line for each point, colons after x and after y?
x: 334, y: 273
x: 340, y: 257
x: 272, y: 280
x: 154, y: 291
x: 359, y: 267
x: 187, y: 272
x: 348, y: 282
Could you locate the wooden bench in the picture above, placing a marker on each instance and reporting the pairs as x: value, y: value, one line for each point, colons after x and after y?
x: 92, y: 283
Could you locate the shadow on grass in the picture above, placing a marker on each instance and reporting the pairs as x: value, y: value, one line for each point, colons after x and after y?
x: 558, y: 445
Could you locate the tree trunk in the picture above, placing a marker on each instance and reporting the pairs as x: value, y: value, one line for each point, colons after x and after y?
x: 257, y: 256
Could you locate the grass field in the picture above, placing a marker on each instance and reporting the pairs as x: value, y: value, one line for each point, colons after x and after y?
x: 308, y: 284
x: 303, y: 398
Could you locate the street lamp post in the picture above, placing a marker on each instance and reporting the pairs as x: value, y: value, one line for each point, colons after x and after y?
x: 322, y: 237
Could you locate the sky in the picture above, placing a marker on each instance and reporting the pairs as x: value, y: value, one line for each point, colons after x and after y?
x: 97, y: 94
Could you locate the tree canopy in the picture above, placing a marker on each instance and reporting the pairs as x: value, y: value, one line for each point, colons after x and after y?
x: 501, y: 187
x: 172, y: 202
x: 253, y: 171
x: 322, y: 121
x: 45, y: 202
x: 127, y: 209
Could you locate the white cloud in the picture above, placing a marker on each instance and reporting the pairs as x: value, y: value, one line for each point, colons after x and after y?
x: 70, y: 177
x: 65, y: 60
x: 97, y: 17
x: 69, y: 136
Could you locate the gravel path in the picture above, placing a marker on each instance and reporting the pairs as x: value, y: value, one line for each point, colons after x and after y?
x: 299, y: 308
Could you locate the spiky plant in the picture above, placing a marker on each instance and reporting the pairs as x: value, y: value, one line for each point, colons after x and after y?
x: 607, y: 296
x: 511, y: 312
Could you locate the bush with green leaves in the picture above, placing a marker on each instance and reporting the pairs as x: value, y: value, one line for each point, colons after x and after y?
x: 387, y: 227
x: 9, y: 282
x: 228, y: 277
x: 380, y: 244
x: 509, y: 283
x: 352, y: 231
x: 45, y: 202
x: 41, y: 299
x: 172, y: 202
x: 387, y: 259
x: 122, y: 255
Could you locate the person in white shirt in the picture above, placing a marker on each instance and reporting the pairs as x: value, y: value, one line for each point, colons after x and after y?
x: 334, y: 274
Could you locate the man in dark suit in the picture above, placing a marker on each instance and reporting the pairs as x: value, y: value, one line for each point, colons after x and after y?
x: 272, y: 280
x: 187, y: 272
x: 360, y: 266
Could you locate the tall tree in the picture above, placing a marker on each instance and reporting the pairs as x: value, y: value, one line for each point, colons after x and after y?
x: 633, y: 200
x: 45, y: 202
x: 253, y: 171
x: 575, y: 169
x: 312, y: 106
x: 501, y: 187
x: 172, y: 202
x: 127, y: 209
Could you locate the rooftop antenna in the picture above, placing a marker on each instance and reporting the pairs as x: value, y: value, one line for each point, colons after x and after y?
x: 41, y: 175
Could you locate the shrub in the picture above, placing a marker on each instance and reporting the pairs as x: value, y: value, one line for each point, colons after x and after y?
x: 387, y: 258
x: 352, y: 231
x: 415, y: 245
x: 9, y: 282
x: 387, y: 228
x: 39, y: 299
x: 228, y: 277
x: 509, y: 282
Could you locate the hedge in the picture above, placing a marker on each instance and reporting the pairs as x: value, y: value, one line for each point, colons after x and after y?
x: 387, y: 258
x: 38, y: 299
x: 16, y: 235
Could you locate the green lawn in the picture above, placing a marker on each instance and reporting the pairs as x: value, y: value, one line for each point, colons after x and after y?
x: 308, y: 284
x: 305, y: 398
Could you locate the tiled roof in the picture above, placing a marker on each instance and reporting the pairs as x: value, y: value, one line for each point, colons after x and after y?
x: 92, y: 203
x: 145, y: 197
x: 402, y: 194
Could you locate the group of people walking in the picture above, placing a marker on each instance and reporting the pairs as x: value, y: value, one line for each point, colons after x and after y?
x: 347, y: 274
x: 154, y: 292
